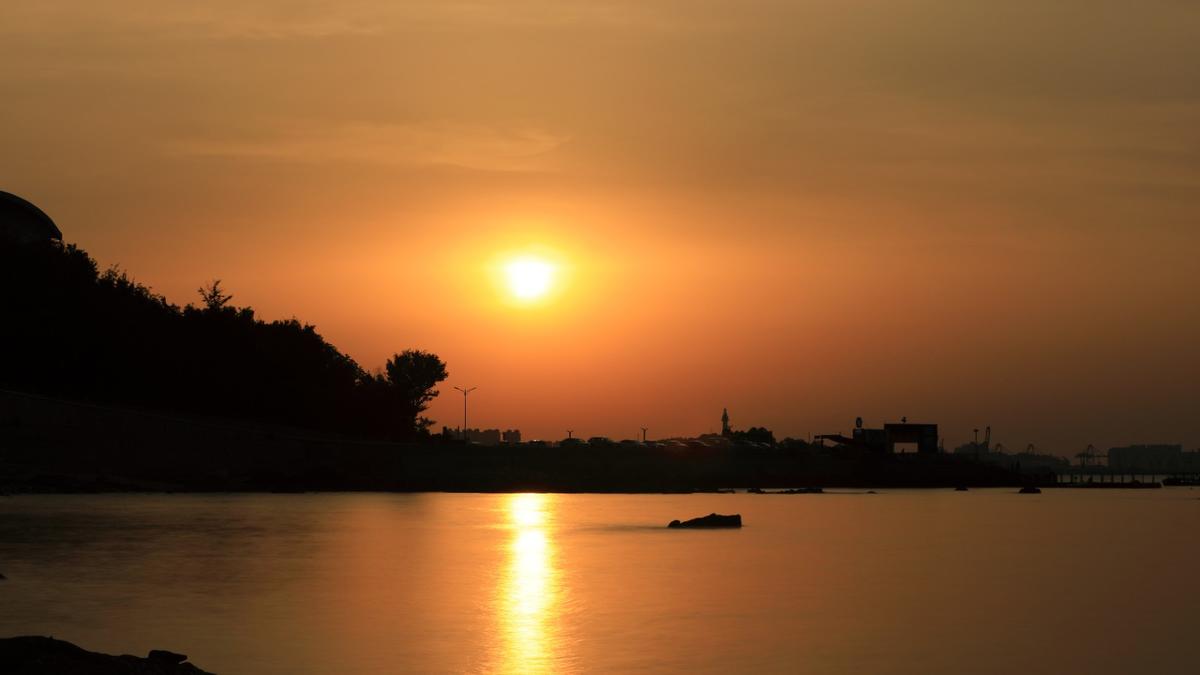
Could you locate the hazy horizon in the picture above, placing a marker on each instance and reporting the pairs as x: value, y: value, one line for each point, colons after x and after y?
x: 804, y: 212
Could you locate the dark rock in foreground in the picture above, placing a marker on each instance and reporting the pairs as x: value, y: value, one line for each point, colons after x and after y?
x: 1030, y: 490
x: 711, y: 520
x: 36, y: 655
x: 164, y: 656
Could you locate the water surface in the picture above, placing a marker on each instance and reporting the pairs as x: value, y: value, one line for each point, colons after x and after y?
x: 986, y: 581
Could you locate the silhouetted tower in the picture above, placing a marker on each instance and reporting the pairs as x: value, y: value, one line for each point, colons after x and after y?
x: 725, y: 431
x: 644, y: 430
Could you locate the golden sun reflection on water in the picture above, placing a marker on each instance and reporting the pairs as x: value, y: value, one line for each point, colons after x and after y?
x: 527, y: 594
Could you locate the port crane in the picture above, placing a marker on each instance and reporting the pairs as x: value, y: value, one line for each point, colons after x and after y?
x: 1090, y: 457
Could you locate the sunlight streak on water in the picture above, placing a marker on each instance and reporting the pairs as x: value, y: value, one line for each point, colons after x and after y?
x: 527, y: 597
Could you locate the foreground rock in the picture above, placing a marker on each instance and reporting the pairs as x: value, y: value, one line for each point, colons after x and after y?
x: 711, y: 520
x: 36, y: 655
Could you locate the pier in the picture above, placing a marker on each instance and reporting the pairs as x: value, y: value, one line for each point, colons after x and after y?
x: 1116, y: 470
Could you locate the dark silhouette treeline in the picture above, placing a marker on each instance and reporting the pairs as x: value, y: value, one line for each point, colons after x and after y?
x: 69, y: 330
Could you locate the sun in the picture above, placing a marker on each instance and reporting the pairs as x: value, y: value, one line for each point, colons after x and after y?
x: 529, y: 278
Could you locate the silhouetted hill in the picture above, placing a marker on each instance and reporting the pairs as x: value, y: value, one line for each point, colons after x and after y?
x: 67, y: 329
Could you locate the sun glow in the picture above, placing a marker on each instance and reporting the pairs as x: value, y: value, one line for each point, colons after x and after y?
x: 529, y: 278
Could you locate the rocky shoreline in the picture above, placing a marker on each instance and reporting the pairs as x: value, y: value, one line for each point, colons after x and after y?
x: 37, y: 655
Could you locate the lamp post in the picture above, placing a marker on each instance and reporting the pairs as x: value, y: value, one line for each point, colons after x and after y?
x: 465, y: 392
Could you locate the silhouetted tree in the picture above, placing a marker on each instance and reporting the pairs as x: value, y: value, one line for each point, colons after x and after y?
x: 214, y: 298
x: 756, y: 435
x: 412, y: 376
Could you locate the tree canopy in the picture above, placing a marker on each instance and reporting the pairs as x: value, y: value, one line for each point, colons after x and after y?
x: 412, y: 375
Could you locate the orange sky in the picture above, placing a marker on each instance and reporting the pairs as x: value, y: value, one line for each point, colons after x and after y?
x: 805, y: 211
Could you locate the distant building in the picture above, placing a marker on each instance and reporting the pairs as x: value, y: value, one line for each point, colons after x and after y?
x: 725, y: 430
x: 924, y: 435
x: 511, y: 436
x: 1191, y: 461
x: 884, y: 440
x: 480, y: 436
x: 1147, y: 457
x: 484, y: 436
x: 24, y: 222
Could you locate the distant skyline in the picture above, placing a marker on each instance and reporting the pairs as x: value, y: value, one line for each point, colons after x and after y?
x: 959, y: 213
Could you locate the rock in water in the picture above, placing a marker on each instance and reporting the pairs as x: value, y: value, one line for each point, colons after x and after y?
x: 711, y: 520
x: 1030, y: 490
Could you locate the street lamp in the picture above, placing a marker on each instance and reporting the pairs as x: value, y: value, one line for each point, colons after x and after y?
x: 465, y: 392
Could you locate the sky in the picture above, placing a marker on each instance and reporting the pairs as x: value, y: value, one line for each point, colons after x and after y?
x: 972, y: 214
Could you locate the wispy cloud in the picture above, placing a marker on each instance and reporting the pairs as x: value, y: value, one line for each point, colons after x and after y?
x: 197, y: 20
x: 300, y: 19
x: 471, y: 147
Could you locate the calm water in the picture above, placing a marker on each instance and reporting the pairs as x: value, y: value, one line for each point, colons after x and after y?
x: 899, y: 582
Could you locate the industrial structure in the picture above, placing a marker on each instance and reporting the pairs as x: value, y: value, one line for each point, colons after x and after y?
x: 884, y: 441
